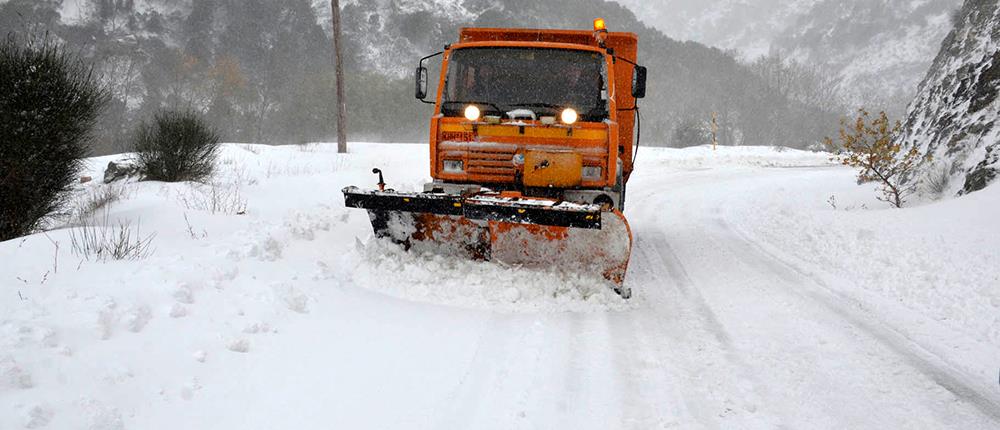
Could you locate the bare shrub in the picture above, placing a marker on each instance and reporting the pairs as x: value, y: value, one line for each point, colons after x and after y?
x: 253, y: 149
x: 191, y: 231
x: 938, y: 180
x: 176, y: 146
x: 242, y: 176
x: 215, y: 198
x: 105, y: 241
x: 99, y: 199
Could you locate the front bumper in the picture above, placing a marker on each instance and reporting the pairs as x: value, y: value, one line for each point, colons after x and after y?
x: 485, y: 206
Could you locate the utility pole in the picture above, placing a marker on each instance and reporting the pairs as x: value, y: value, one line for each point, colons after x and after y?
x: 339, y: 59
x: 715, y: 130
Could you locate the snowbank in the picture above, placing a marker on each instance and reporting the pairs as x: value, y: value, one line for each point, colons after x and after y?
x: 265, y: 295
x: 928, y: 271
x: 730, y: 156
x: 101, y: 344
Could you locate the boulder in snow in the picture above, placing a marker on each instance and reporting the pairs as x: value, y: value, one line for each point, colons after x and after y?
x: 120, y: 169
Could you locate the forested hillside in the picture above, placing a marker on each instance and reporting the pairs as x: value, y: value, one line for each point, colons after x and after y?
x: 262, y: 70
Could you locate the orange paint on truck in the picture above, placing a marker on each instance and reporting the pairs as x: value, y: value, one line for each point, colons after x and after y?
x: 613, y: 136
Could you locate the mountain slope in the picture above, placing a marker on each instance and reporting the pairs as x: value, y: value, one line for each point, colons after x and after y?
x: 954, y: 117
x: 879, y: 49
x: 746, y: 26
x: 261, y: 68
x: 688, y: 80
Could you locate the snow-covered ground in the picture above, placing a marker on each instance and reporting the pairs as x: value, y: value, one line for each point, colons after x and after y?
x: 760, y: 302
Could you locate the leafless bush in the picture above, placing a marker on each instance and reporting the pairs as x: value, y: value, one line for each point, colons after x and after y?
x: 938, y: 180
x: 105, y: 241
x: 291, y: 169
x: 98, y: 199
x: 191, y: 230
x: 242, y: 176
x: 253, y: 149
x: 215, y: 198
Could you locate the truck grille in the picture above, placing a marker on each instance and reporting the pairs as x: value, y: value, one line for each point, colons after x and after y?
x: 491, y: 162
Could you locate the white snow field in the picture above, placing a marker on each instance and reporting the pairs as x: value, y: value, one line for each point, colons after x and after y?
x: 758, y: 304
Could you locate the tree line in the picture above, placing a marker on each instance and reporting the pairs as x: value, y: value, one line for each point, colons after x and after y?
x: 262, y: 71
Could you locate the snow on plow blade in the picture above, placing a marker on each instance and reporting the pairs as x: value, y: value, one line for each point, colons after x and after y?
x: 487, y: 226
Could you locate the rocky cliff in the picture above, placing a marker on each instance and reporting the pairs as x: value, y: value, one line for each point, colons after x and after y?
x: 954, y: 116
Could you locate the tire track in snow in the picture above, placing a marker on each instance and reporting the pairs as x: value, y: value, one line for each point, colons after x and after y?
x: 486, y: 374
x: 656, y: 391
x: 699, y: 352
x: 585, y: 367
x: 656, y: 386
x: 778, y: 333
x: 921, y: 359
x: 520, y: 375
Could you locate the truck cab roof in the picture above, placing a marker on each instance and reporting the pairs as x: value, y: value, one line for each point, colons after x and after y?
x: 625, y: 45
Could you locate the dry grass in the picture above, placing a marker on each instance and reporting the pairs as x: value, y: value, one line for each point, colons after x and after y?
x: 98, y: 199
x: 105, y: 241
x: 215, y: 198
x: 938, y: 180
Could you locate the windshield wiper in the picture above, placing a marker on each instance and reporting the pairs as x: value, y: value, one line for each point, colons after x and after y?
x: 497, y: 108
x: 544, y: 105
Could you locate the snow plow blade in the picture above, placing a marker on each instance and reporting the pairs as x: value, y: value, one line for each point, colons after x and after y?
x: 532, y: 232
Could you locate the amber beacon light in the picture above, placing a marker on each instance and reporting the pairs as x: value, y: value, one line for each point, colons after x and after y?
x: 600, y: 31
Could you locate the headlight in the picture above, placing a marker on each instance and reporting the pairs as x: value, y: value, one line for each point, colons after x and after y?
x: 569, y: 116
x: 454, y: 166
x: 592, y: 172
x: 472, y: 113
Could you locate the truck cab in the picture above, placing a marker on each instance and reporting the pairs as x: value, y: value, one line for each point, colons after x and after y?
x: 541, y: 113
x: 531, y: 146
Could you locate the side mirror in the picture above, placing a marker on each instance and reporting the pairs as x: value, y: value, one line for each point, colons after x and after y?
x: 421, y: 81
x: 639, y: 82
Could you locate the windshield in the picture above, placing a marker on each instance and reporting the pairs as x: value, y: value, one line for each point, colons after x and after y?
x: 545, y: 81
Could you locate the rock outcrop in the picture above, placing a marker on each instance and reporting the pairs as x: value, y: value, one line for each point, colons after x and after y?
x: 954, y: 117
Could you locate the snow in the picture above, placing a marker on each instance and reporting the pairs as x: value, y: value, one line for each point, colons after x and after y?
x: 757, y: 304
x: 521, y: 113
x: 943, y: 122
x: 74, y: 12
x: 889, y: 64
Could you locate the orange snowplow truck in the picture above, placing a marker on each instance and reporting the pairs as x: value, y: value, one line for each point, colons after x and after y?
x: 531, y: 148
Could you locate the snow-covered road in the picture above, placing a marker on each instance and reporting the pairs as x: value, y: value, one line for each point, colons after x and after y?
x: 757, y: 305
x: 782, y: 347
